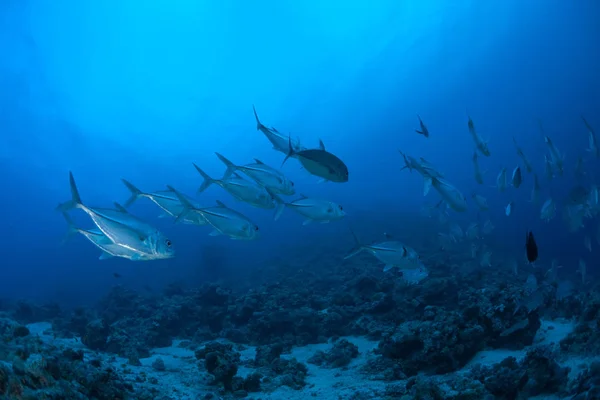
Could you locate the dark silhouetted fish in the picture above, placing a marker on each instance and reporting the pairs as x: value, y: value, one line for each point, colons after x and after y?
x: 531, y: 247
x: 320, y: 162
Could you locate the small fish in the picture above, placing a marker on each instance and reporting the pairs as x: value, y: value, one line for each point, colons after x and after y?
x: 279, y: 141
x: 320, y: 162
x: 587, y: 242
x: 481, y: 202
x: 509, y: 208
x: 391, y: 253
x: 531, y: 247
x: 556, y: 159
x: 166, y: 200
x: 592, y: 142
x: 548, y: 211
x: 582, y: 270
x: 488, y: 227
x: 451, y: 195
x: 226, y: 221
x: 480, y: 144
x: 243, y: 190
x: 472, y: 231
x: 266, y: 176
x: 535, y: 190
x: 520, y: 153
x: 316, y: 210
x: 517, y: 178
x: 424, y: 131
x: 123, y: 228
x: 478, y: 173
x: 501, y: 180
x: 486, y: 259
x: 548, y: 168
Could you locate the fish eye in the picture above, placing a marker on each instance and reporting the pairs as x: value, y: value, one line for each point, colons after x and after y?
x: 168, y: 243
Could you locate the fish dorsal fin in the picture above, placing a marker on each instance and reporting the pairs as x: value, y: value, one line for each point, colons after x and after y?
x: 258, y: 161
x: 120, y: 208
x: 221, y: 204
x: 321, y: 145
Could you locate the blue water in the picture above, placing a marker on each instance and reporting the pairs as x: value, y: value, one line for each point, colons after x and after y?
x: 140, y: 90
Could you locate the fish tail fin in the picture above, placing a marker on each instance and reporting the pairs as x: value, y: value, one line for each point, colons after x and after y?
x: 406, y: 162
x: 358, y: 247
x: 419, y: 132
x: 187, y: 206
x: 75, y: 201
x: 207, y: 179
x: 71, y: 228
x: 258, y: 123
x: 135, y: 192
x: 291, y: 151
x: 231, y: 167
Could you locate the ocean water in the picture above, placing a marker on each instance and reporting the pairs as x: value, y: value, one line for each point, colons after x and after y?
x: 142, y: 90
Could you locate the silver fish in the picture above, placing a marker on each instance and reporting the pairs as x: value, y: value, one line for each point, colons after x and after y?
x: 548, y: 211
x: 243, y: 190
x: 264, y: 175
x: 480, y: 144
x: 451, y: 195
x: 100, y: 240
x: 391, y: 253
x: 517, y: 178
x: 279, y: 141
x: 556, y: 159
x: 501, y: 180
x: 481, y: 201
x: 225, y: 220
x: 319, y: 162
x: 316, y: 210
x: 592, y: 141
x: 167, y: 201
x: 524, y: 158
x: 123, y: 228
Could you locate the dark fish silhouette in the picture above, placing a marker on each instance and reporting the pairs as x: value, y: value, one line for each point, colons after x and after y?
x: 319, y: 162
x: 531, y: 247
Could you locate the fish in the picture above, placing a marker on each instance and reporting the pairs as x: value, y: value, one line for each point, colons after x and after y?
x: 517, y: 178
x: 535, y: 190
x: 531, y: 247
x: 123, y: 228
x: 451, y: 195
x: 223, y: 219
x: 480, y: 144
x: 501, y: 180
x: 100, y: 240
x: 472, y: 232
x: 488, y: 227
x: 266, y: 176
x: 548, y: 211
x: 582, y: 270
x: 509, y: 208
x: 279, y: 141
x: 167, y: 201
x: 392, y: 254
x: 316, y: 210
x: 424, y: 131
x: 243, y: 190
x: 524, y: 158
x: 478, y: 173
x: 320, y: 162
x: 587, y: 242
x: 481, y: 201
x: 592, y: 142
x: 556, y: 159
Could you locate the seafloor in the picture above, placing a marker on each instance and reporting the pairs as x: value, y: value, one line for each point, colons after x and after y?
x: 316, y: 328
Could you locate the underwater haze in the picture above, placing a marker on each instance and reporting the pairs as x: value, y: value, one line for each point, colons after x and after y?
x: 117, y: 89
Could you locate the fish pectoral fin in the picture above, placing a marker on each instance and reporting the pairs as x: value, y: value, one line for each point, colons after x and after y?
x: 322, y: 180
x: 387, y: 267
x: 307, y: 221
x: 215, y: 233
x: 105, y: 256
